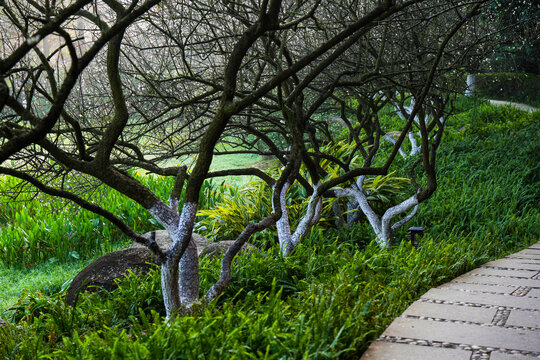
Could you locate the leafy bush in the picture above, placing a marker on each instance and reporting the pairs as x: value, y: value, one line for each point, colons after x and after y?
x: 232, y: 208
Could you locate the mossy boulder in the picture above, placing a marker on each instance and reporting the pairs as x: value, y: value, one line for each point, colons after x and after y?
x: 216, y: 249
x: 102, y: 273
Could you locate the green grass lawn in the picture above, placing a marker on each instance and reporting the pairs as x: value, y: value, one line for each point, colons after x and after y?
x: 224, y: 162
x: 233, y: 161
x: 47, y: 278
x: 240, y: 161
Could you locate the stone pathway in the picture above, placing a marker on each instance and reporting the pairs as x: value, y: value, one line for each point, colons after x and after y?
x: 524, y: 107
x: 490, y: 313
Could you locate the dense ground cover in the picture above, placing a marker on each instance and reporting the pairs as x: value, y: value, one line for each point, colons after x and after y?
x: 334, y: 295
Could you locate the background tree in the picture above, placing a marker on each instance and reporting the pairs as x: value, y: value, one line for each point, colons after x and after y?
x: 517, y: 45
x: 374, y: 80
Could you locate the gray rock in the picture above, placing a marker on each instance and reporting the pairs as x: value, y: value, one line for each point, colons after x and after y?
x: 216, y: 249
x: 103, y: 272
x: 2, y: 323
x: 204, y: 246
x: 164, y: 241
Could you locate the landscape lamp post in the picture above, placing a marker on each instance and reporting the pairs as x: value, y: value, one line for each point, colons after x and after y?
x: 415, y: 233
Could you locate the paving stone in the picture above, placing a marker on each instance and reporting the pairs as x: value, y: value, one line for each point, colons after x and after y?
x: 505, y: 289
x: 524, y: 256
x: 391, y: 351
x: 515, y: 263
x: 505, y: 273
x: 523, y: 107
x: 482, y: 298
x: 528, y: 252
x: 467, y: 278
x: 480, y: 286
x: 451, y: 312
x: 519, y: 260
x: 524, y: 318
x: 492, y: 336
x: 502, y: 356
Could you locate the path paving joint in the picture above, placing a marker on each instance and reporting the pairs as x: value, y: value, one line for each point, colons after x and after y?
x: 490, y: 313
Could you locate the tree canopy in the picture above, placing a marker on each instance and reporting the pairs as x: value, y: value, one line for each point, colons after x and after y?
x: 96, y: 88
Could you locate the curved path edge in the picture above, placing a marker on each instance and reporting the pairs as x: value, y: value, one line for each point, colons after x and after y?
x: 520, y: 106
x: 489, y: 313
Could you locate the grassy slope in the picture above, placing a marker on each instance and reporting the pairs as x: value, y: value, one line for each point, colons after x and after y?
x: 224, y: 162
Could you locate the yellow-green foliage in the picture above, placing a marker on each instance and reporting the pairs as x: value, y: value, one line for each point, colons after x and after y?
x: 237, y: 208
x: 232, y: 208
x: 382, y: 191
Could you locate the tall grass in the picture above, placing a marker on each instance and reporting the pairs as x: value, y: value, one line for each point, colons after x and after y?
x: 40, y: 228
x: 488, y: 179
x: 37, y: 228
x: 325, y: 301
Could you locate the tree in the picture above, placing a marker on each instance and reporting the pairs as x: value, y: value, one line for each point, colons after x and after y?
x: 183, y: 75
x: 516, y: 46
x: 387, y: 58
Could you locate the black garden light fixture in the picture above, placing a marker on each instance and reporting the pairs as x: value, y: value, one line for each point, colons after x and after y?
x: 415, y: 233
